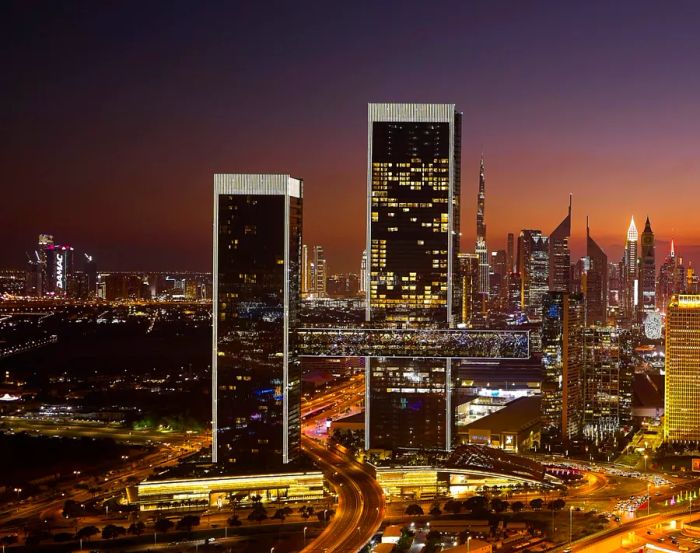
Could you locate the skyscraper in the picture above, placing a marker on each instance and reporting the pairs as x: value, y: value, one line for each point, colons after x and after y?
x: 305, y: 271
x: 256, y: 377
x: 481, y: 249
x: 630, y: 275
x: 560, y: 255
x: 470, y: 299
x: 607, y: 393
x: 413, y: 207
x: 533, y: 266
x: 319, y: 273
x: 510, y: 252
x: 647, y: 267
x: 562, y: 351
x: 682, y: 409
x: 363, y: 273
x: 596, y: 282
x: 413, y: 184
x: 672, y: 279
x: 59, y: 267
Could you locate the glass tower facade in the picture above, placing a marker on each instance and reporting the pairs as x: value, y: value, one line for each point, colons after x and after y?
x: 682, y: 410
x: 562, y: 360
x: 256, y: 375
x: 413, y: 185
x: 560, y: 255
x: 647, y: 270
x: 605, y: 390
x: 595, y: 285
x: 533, y: 265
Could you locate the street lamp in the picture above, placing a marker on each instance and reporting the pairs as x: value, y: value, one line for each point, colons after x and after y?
x: 648, y: 499
x: 469, y: 538
x: 645, y: 462
x: 571, y: 523
x: 305, y: 527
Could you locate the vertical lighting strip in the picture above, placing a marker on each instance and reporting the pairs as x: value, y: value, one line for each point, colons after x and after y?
x: 448, y: 404
x: 215, y: 327
x: 368, y: 278
x: 450, y: 216
x: 367, y: 395
x: 285, y: 331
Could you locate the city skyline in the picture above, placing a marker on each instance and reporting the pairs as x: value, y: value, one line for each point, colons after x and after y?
x: 319, y: 277
x: 545, y: 129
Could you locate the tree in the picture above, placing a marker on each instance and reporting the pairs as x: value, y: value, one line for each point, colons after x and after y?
x: 476, y: 503
x: 306, y: 511
x: 63, y: 537
x: 258, y: 514
x: 498, y: 505
x: 136, y: 528
x: 87, y: 532
x: 187, y: 522
x: 435, y: 509
x: 414, y: 509
x: 162, y: 525
x: 8, y: 540
x: 279, y: 514
x: 517, y: 506
x: 233, y: 520
x: 112, y: 531
x: 453, y: 506
x: 556, y: 505
x: 536, y: 504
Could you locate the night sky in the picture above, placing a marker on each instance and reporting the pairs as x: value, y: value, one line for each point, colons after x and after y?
x: 115, y: 115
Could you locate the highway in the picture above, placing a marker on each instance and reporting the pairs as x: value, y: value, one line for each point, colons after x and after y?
x: 361, y: 507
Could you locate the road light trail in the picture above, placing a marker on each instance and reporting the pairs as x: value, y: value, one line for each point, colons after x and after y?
x: 360, y: 499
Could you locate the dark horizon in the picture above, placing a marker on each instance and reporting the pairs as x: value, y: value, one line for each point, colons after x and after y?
x: 119, y: 114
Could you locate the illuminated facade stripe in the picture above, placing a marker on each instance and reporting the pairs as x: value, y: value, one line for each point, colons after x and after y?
x: 682, y: 398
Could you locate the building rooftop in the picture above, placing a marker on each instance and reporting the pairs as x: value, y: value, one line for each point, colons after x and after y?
x: 517, y: 415
x: 491, y: 460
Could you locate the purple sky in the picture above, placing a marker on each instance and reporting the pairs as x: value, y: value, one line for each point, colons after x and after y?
x: 115, y: 115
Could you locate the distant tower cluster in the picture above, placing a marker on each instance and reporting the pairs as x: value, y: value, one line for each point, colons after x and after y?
x: 54, y: 271
x: 314, y: 272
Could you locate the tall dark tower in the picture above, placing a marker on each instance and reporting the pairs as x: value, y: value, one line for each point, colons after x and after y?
x: 647, y: 275
x: 483, y: 285
x: 413, y: 186
x: 596, y: 281
x: 481, y: 203
x: 560, y: 255
x: 256, y: 375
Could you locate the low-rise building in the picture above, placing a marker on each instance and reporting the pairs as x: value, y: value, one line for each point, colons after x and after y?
x: 514, y: 428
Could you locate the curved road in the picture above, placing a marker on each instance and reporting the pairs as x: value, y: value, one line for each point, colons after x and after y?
x: 361, y: 506
x: 360, y: 502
